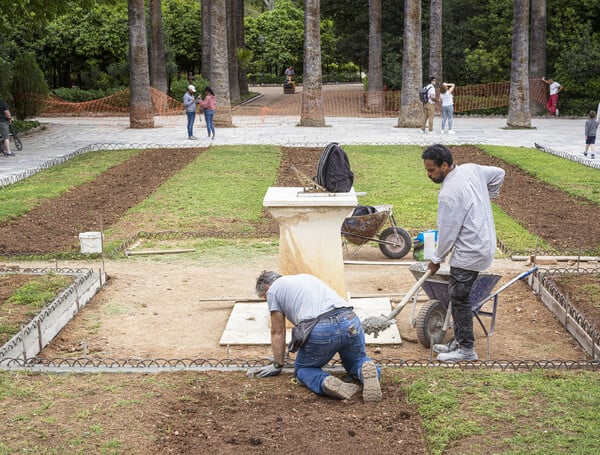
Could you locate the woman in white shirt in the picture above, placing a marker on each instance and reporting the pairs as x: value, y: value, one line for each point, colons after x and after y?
x: 447, y: 98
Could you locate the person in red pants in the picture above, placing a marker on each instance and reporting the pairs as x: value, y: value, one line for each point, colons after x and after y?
x: 555, y: 89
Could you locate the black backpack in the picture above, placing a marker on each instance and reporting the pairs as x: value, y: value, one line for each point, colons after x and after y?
x: 333, y: 172
x: 424, y: 94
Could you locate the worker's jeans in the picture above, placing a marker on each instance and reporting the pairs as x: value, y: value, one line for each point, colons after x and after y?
x: 340, y: 333
x: 459, y: 291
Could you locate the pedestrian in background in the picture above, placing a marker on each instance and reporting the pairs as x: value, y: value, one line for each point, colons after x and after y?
x: 189, y: 101
x: 209, y: 104
x: 591, y: 127
x: 447, y: 97
x: 5, y: 119
x: 332, y: 328
x: 429, y: 106
x: 555, y: 89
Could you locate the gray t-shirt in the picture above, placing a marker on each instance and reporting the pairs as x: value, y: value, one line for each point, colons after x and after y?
x: 301, y: 297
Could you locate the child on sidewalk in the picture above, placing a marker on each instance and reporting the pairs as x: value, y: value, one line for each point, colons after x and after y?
x: 591, y: 126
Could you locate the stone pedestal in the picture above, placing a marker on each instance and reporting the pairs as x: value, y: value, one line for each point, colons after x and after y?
x: 309, y: 232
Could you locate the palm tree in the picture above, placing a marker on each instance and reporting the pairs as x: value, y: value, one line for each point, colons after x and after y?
x: 158, y: 66
x: 238, y: 13
x: 375, y: 93
x: 313, y: 109
x: 219, y: 63
x: 205, y: 69
x: 234, y: 83
x: 519, y: 115
x: 141, y: 113
x: 411, y: 108
x: 435, y: 40
x: 537, y: 52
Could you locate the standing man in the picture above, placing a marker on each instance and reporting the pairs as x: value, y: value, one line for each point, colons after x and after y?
x: 5, y: 119
x: 289, y: 73
x: 555, y: 89
x: 429, y: 106
x: 466, y: 227
x: 302, y: 298
x: 190, y: 110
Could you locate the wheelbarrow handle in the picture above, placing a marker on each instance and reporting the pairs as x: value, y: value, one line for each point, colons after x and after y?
x: 409, y: 295
x: 525, y: 274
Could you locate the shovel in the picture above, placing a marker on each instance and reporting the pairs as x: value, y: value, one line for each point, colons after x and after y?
x: 375, y: 324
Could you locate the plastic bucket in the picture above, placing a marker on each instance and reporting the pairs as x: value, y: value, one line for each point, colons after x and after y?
x: 91, y: 242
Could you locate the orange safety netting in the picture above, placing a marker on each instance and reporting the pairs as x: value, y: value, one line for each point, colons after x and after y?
x: 336, y: 102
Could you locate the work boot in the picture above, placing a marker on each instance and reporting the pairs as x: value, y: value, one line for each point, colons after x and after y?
x: 458, y: 355
x: 452, y: 345
x: 370, y: 379
x: 337, y: 388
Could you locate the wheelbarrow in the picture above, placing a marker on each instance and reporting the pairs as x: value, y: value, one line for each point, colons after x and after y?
x: 434, y: 317
x: 365, y: 225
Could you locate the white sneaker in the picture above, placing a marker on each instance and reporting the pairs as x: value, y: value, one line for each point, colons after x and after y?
x: 442, y: 131
x: 557, y: 112
x: 451, y: 132
x: 423, y: 131
x: 458, y: 355
x: 452, y: 345
x: 193, y: 138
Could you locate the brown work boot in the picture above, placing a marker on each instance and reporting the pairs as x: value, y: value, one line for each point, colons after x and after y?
x: 371, y: 386
x: 337, y: 388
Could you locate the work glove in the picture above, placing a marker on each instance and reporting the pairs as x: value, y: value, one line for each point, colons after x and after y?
x: 273, y: 369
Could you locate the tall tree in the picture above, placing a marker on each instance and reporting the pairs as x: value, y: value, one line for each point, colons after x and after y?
x: 238, y: 12
x: 234, y: 84
x: 435, y: 40
x: 519, y: 115
x: 537, y: 52
x: 141, y: 113
x: 206, y: 43
x: 219, y: 67
x: 411, y: 108
x: 158, y: 64
x: 313, y: 107
x: 375, y: 93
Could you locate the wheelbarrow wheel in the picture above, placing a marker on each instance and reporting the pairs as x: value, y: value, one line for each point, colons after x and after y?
x: 430, y: 323
x: 401, y: 240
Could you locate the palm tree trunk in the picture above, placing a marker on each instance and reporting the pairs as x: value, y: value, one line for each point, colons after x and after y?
x: 537, y: 54
x: 240, y: 44
x: 206, y: 28
x: 375, y: 93
x: 435, y: 41
x: 219, y: 63
x: 313, y: 109
x: 141, y: 112
x: 234, y: 84
x: 519, y: 115
x: 158, y: 65
x: 411, y: 108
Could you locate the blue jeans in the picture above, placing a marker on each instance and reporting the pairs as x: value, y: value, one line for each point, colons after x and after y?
x: 209, y: 116
x: 447, y: 114
x: 340, y: 333
x: 459, y: 290
x: 191, y: 116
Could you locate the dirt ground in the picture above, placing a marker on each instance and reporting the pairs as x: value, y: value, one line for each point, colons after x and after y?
x: 167, y: 309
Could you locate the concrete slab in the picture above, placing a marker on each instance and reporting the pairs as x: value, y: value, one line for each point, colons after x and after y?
x: 249, y: 323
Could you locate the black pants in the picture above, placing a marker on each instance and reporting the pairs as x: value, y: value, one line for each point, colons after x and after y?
x: 459, y: 290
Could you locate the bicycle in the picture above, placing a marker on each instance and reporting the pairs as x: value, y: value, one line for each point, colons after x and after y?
x: 15, y: 137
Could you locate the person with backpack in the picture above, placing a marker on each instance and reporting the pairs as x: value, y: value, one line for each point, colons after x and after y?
x: 5, y: 119
x: 429, y: 99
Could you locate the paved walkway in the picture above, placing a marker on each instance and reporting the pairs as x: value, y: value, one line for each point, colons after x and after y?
x: 61, y: 137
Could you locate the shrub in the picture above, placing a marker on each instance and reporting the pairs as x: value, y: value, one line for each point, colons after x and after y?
x: 28, y: 85
x: 179, y: 86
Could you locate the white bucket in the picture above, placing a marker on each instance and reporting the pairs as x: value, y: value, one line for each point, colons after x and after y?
x: 91, y: 242
x: 429, y: 244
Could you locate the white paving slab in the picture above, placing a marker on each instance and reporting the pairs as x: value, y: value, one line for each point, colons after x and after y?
x: 249, y: 323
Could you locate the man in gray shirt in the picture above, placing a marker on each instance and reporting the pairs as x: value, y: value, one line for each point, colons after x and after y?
x: 466, y: 228
x: 337, y: 330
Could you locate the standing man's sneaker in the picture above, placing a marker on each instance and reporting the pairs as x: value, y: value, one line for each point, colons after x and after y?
x: 337, y: 388
x: 452, y: 345
x: 371, y: 385
x: 451, y: 132
x: 193, y: 138
x: 458, y: 355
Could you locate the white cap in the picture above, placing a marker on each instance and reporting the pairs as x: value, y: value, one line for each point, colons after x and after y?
x: 192, y: 88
